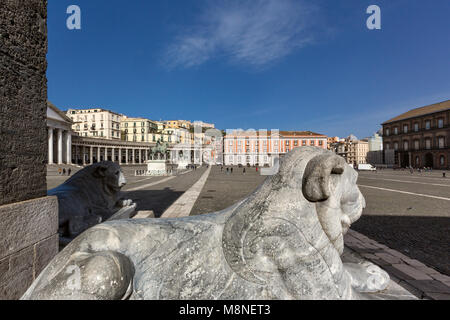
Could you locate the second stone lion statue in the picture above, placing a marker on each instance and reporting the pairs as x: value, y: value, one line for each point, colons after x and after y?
x: 90, y: 196
x: 284, y: 241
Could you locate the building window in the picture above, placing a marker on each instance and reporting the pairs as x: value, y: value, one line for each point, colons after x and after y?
x: 395, y: 145
x: 442, y: 161
x: 395, y: 130
x: 428, y: 124
x: 388, y: 146
x: 441, y: 141
x: 304, y: 143
x: 416, y: 144
x: 320, y: 143
x: 428, y: 143
x: 312, y: 143
x: 296, y: 143
x: 388, y: 131
x: 405, y: 128
x: 440, y: 123
x: 405, y: 145
x: 416, y: 127
x: 287, y: 142
x: 417, y: 161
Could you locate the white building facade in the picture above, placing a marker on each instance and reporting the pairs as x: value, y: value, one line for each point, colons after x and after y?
x: 96, y: 122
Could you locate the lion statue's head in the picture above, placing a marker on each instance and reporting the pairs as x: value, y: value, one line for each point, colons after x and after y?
x: 304, y: 209
x: 111, y: 175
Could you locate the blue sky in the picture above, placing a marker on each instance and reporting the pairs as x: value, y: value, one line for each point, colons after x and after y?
x: 261, y: 64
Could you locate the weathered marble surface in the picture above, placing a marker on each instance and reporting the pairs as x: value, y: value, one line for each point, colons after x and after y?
x: 89, y: 197
x: 282, y: 242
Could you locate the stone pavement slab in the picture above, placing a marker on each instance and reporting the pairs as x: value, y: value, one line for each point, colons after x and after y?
x: 419, y: 279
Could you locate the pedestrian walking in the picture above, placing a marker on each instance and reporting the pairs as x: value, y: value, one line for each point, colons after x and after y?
x: 69, y: 171
x: 227, y: 170
x: 231, y: 170
x: 243, y: 171
x: 59, y: 171
x: 221, y: 168
x: 64, y: 171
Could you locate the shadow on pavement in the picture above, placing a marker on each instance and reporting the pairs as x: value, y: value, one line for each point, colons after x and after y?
x: 426, y: 239
x: 156, y: 200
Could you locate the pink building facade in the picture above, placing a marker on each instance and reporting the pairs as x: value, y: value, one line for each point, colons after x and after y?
x: 261, y: 147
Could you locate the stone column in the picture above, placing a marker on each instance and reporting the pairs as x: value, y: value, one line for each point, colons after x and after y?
x: 113, y: 158
x: 91, y: 155
x: 120, y: 155
x: 50, y: 145
x: 83, y: 154
x: 60, y: 146
x: 68, y: 147
x: 126, y: 156
x: 133, y: 156
x: 98, y: 153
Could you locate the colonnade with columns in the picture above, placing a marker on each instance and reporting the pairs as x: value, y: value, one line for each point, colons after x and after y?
x: 85, y: 154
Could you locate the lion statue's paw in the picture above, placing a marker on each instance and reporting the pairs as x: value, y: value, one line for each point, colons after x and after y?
x: 367, y: 277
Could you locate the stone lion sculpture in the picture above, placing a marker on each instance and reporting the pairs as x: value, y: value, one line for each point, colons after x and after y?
x: 90, y: 196
x: 284, y: 241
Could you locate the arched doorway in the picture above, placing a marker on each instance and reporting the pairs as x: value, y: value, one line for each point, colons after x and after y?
x: 417, y: 162
x: 442, y: 161
x: 429, y: 160
x: 405, y: 159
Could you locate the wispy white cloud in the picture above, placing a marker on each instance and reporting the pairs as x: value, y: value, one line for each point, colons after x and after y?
x: 253, y: 32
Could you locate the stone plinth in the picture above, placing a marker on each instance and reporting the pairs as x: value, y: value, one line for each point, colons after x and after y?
x: 156, y: 168
x: 29, y: 240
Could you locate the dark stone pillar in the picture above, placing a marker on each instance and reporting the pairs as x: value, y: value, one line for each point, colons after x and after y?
x: 23, y: 100
x: 28, y: 218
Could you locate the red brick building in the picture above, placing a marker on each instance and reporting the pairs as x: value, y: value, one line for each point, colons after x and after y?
x: 420, y: 137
